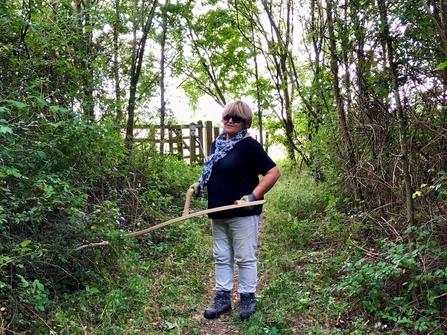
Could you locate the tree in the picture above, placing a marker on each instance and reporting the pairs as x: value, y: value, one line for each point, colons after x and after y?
x: 137, y: 58
x: 403, y: 139
x: 217, y: 55
x: 52, y: 54
x: 271, y: 32
x: 339, y: 101
x: 162, y: 78
x: 119, y: 115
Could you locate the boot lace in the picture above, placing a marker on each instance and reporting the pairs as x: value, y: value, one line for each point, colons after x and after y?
x: 245, y: 302
x: 219, y: 301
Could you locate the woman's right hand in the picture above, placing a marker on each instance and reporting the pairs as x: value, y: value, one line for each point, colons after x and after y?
x: 196, y: 187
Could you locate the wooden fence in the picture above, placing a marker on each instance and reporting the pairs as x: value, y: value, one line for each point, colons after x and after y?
x: 191, y: 142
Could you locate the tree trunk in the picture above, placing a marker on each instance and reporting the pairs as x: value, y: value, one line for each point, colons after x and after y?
x: 82, y: 10
x: 351, y: 166
x: 258, y: 93
x: 162, y: 81
x: 279, y: 48
x: 402, y: 131
x: 118, y: 108
x: 400, y: 113
x: 137, y: 61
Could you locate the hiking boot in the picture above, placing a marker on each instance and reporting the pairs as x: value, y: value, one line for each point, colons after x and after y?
x: 222, y: 303
x: 248, y: 305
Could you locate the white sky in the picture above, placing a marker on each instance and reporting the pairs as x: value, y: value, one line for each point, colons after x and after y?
x: 208, y: 109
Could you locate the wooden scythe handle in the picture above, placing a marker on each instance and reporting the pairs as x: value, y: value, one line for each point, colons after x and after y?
x: 187, y: 201
x: 237, y: 204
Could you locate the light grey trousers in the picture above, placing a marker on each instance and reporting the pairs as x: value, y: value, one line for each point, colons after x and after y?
x: 236, y: 240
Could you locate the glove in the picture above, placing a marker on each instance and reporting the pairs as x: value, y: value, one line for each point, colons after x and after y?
x: 249, y: 198
x: 196, y: 187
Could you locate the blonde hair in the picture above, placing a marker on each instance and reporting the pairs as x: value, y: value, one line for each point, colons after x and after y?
x: 241, y: 109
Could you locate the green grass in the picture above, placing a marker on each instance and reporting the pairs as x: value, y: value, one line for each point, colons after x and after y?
x: 153, y: 289
x: 160, y: 283
x: 296, y: 263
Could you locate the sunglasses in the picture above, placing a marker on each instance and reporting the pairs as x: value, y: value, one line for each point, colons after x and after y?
x: 236, y: 119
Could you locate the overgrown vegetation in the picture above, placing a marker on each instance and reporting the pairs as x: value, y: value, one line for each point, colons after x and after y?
x: 66, y: 186
x: 324, y: 268
x: 354, y: 239
x: 333, y: 271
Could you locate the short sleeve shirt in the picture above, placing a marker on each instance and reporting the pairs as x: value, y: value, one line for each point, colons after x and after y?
x: 236, y: 175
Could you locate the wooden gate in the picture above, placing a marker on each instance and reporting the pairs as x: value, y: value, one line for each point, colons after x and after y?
x: 191, y: 142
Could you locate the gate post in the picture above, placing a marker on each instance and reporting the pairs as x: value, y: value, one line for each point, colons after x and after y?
x: 209, y: 137
x: 179, y: 142
x: 192, y: 144
x: 199, y: 137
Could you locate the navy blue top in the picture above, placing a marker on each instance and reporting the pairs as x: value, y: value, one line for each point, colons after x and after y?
x: 236, y: 175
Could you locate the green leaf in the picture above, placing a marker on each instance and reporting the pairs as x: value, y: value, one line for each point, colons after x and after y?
x: 442, y: 66
x: 54, y: 109
x: 17, y: 104
x: 13, y: 172
x: 92, y: 289
x: 37, y: 284
x: 25, y: 243
x: 23, y: 280
x: 4, y: 130
x: 41, y: 101
x: 42, y: 154
x: 5, y: 260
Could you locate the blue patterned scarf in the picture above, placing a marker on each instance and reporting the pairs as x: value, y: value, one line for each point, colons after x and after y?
x: 223, y: 147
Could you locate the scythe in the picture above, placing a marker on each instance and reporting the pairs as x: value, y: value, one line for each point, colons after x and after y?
x: 186, y: 215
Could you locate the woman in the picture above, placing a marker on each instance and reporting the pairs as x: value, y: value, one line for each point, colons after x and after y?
x: 232, y: 172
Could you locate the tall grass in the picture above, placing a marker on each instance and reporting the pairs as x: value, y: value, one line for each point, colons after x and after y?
x: 161, y: 282
x: 296, y: 260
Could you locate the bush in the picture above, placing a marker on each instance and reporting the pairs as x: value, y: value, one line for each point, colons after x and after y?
x: 398, y: 284
x: 69, y: 192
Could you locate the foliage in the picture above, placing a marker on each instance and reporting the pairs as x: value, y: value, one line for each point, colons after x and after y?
x: 384, y: 282
x: 322, y: 275
x: 345, y: 250
x: 215, y: 44
x: 309, y: 283
x: 299, y: 196
x: 65, y: 185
